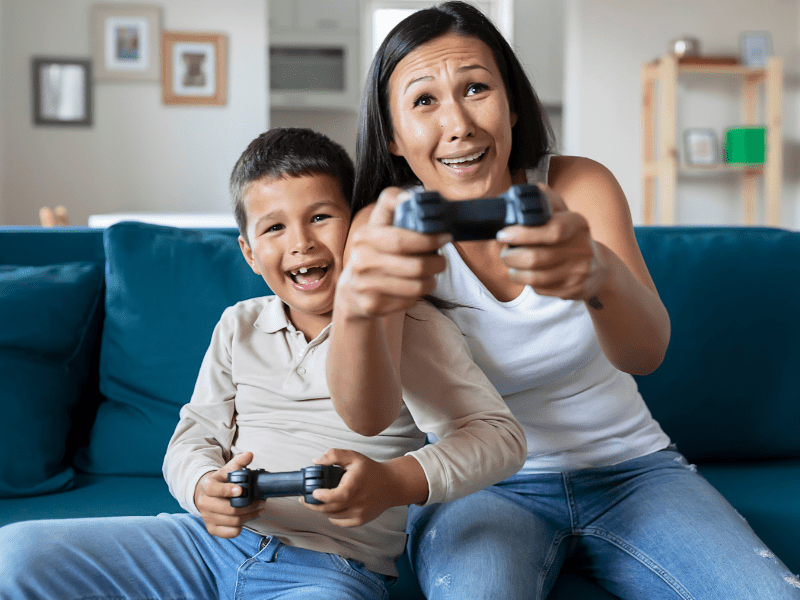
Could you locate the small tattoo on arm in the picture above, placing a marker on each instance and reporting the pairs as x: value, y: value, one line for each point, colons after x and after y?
x: 595, y: 303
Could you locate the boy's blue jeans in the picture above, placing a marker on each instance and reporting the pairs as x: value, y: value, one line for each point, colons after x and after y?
x: 647, y: 529
x: 168, y: 557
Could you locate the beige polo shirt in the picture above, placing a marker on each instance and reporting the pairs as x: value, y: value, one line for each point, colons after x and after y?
x: 262, y: 388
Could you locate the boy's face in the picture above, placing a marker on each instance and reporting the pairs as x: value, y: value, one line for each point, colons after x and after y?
x: 296, y: 223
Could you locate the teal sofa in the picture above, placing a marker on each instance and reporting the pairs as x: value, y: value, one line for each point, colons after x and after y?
x: 102, y: 334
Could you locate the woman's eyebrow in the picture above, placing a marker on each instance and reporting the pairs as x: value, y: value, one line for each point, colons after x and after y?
x: 473, y: 67
x: 460, y: 70
x: 418, y: 80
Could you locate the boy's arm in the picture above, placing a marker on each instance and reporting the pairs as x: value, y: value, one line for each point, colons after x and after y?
x: 204, y: 435
x: 480, y: 441
x: 480, y: 444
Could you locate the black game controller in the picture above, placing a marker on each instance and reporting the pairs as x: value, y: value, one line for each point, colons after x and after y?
x: 258, y: 483
x: 428, y: 212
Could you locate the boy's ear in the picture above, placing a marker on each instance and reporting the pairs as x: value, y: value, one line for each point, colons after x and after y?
x: 247, y: 252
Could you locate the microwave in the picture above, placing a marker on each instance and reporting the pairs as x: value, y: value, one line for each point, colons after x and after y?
x: 319, y: 71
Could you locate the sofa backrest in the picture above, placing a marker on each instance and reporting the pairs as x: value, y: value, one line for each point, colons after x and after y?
x: 37, y: 246
x: 728, y: 390
x: 166, y: 289
x: 729, y: 387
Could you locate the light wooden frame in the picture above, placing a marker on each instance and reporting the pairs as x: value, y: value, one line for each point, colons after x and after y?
x: 175, y: 92
x: 143, y: 17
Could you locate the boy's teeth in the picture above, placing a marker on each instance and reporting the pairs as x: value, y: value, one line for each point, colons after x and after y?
x: 451, y: 161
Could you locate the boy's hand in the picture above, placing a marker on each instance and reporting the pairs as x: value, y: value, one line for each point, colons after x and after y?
x: 368, y: 488
x: 212, y: 498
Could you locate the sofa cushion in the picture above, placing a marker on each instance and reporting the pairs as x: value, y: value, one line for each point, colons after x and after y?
x: 165, y: 291
x: 49, y: 329
x: 95, y: 496
x: 729, y: 386
x: 766, y: 495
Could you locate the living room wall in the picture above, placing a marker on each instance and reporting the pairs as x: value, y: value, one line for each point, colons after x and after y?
x: 140, y: 155
x: 2, y: 119
x: 607, y: 41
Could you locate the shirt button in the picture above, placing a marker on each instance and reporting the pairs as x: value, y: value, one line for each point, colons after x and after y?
x: 301, y: 371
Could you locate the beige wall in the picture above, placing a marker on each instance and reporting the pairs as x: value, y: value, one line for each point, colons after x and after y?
x: 607, y: 42
x: 139, y: 155
x: 2, y: 117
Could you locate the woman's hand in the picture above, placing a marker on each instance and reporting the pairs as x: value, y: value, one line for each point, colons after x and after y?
x: 559, y: 258
x: 588, y: 251
x: 387, y: 269
x: 368, y: 488
x: 212, y: 498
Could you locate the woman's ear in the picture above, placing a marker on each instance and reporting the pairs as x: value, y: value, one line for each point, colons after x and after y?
x: 394, y: 149
x: 513, y: 119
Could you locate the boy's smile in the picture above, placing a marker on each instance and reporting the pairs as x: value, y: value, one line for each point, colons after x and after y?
x: 297, y: 228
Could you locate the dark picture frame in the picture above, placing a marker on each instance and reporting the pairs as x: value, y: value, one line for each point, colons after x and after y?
x: 62, y: 91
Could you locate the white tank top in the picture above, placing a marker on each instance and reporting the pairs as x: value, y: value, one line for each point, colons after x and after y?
x: 541, y: 353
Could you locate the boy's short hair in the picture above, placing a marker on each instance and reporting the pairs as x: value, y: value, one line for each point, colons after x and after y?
x: 288, y: 152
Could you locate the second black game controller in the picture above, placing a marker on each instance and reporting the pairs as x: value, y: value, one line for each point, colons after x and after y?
x: 257, y: 484
x: 481, y: 219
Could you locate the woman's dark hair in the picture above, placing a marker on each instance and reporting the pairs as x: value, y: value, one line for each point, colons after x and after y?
x: 288, y: 152
x: 376, y: 167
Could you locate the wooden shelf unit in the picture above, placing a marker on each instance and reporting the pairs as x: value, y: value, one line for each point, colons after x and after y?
x: 660, y: 165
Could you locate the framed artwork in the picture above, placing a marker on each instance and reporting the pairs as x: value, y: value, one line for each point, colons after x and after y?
x: 193, y: 68
x: 701, y: 147
x: 125, y: 42
x: 756, y: 48
x: 62, y: 91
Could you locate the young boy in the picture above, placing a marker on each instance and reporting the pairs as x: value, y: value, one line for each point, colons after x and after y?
x: 261, y: 400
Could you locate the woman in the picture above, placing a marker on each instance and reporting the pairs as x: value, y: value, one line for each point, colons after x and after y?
x: 558, y: 316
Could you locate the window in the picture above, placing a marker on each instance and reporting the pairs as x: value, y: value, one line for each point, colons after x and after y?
x: 383, y: 15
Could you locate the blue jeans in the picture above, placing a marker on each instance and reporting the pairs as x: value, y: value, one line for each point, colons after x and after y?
x: 650, y: 528
x: 168, y: 557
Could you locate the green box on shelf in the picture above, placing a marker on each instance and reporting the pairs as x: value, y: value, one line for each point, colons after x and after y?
x: 745, y: 145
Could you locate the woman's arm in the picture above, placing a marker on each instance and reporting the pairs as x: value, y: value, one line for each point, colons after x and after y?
x: 386, y: 271
x: 588, y: 251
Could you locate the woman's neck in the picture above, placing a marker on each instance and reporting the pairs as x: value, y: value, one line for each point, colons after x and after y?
x: 483, y: 259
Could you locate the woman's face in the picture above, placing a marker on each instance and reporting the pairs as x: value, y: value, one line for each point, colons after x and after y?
x: 450, y: 117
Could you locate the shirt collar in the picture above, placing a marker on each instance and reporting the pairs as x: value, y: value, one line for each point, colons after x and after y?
x: 273, y: 318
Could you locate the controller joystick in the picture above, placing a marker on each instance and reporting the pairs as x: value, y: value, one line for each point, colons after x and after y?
x: 257, y: 484
x: 481, y: 219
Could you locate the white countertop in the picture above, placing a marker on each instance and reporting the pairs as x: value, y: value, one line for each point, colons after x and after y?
x: 187, y: 220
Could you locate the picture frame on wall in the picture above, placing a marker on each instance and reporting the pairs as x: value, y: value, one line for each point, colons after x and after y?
x: 62, y: 91
x: 125, y: 42
x: 194, y: 68
x: 701, y: 148
x: 755, y: 48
